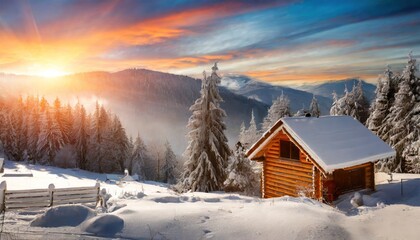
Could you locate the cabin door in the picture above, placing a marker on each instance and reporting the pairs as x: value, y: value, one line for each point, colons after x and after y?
x: 349, y: 180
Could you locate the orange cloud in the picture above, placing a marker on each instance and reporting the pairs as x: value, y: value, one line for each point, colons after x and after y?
x: 69, y: 42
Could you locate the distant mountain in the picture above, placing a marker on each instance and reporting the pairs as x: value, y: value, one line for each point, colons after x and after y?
x: 266, y: 93
x: 325, y: 89
x: 155, y: 104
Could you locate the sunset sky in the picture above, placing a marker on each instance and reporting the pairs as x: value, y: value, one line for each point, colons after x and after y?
x: 276, y: 41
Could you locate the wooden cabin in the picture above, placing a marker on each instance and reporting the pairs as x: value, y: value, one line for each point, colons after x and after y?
x: 320, y: 158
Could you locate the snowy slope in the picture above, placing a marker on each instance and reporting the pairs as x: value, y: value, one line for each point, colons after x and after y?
x: 266, y: 92
x: 159, y: 213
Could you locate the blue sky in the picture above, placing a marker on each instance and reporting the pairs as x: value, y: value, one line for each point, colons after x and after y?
x: 275, y: 41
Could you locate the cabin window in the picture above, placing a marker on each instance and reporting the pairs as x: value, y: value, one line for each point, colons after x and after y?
x: 289, y: 150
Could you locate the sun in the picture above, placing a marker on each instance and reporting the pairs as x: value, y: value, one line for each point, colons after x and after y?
x: 51, y: 73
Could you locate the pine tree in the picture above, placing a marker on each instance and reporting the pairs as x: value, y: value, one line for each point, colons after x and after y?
x: 138, y: 158
x: 33, y: 129
x: 250, y: 135
x: 81, y: 134
x: 361, y: 104
x: 50, y: 138
x: 120, y: 143
x: 242, y: 132
x: 411, y: 152
x: 169, y: 165
x: 242, y: 177
x: 279, y: 109
x: 8, y: 135
x: 19, y: 125
x: 98, y: 147
x: 314, y: 107
x: 352, y: 104
x: 401, y: 135
x: 207, y: 152
x: 334, y: 108
x: 380, y: 107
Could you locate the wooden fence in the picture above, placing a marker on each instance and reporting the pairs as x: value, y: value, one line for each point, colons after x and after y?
x: 15, y: 199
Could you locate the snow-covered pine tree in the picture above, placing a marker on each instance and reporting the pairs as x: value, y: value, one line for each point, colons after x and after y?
x: 361, y: 104
x: 345, y: 103
x: 207, y: 152
x: 242, y: 130
x: 81, y: 136
x: 334, y: 108
x: 100, y: 127
x: 402, y: 134
x: 241, y: 177
x: 352, y: 104
x: 8, y: 134
x: 61, y: 120
x: 19, y: 125
x: 252, y: 134
x: 314, y: 107
x: 67, y: 124
x: 33, y: 128
x: 380, y: 107
x: 411, y: 152
x: 50, y: 138
x: 120, y: 144
x: 169, y: 165
x: 138, y: 158
x: 300, y: 113
x: 279, y: 109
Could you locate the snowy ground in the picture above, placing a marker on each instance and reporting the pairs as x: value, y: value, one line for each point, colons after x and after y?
x: 152, y: 211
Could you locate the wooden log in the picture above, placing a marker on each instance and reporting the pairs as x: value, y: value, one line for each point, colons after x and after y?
x: 281, y: 186
x: 74, y: 201
x: 75, y: 197
x: 27, y: 200
x: 281, y: 170
x: 295, y: 185
x: 294, y: 177
x: 73, y: 189
x: 27, y: 205
x: 271, y: 189
x: 26, y: 191
x: 27, y: 194
x: 90, y: 191
x: 272, y: 194
x: 290, y: 163
x: 281, y: 178
x: 290, y: 167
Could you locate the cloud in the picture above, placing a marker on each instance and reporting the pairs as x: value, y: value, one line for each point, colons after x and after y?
x: 270, y: 40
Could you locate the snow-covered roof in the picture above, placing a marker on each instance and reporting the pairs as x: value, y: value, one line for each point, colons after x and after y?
x: 332, y: 141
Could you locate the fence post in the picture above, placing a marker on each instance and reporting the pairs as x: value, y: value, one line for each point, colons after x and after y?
x: 3, y: 196
x: 51, y: 188
x: 98, y: 187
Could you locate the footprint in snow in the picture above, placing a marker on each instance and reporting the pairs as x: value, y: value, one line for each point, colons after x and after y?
x: 208, y: 234
x: 204, y: 219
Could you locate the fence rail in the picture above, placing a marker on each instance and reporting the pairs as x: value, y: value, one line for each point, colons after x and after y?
x: 15, y: 199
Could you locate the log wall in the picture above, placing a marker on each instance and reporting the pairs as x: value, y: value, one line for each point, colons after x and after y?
x: 287, y: 176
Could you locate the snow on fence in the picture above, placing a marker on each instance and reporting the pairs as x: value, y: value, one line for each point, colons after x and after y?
x: 15, y: 199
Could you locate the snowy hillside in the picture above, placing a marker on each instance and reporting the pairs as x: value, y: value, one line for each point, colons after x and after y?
x: 325, y: 89
x: 151, y: 211
x: 266, y: 92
